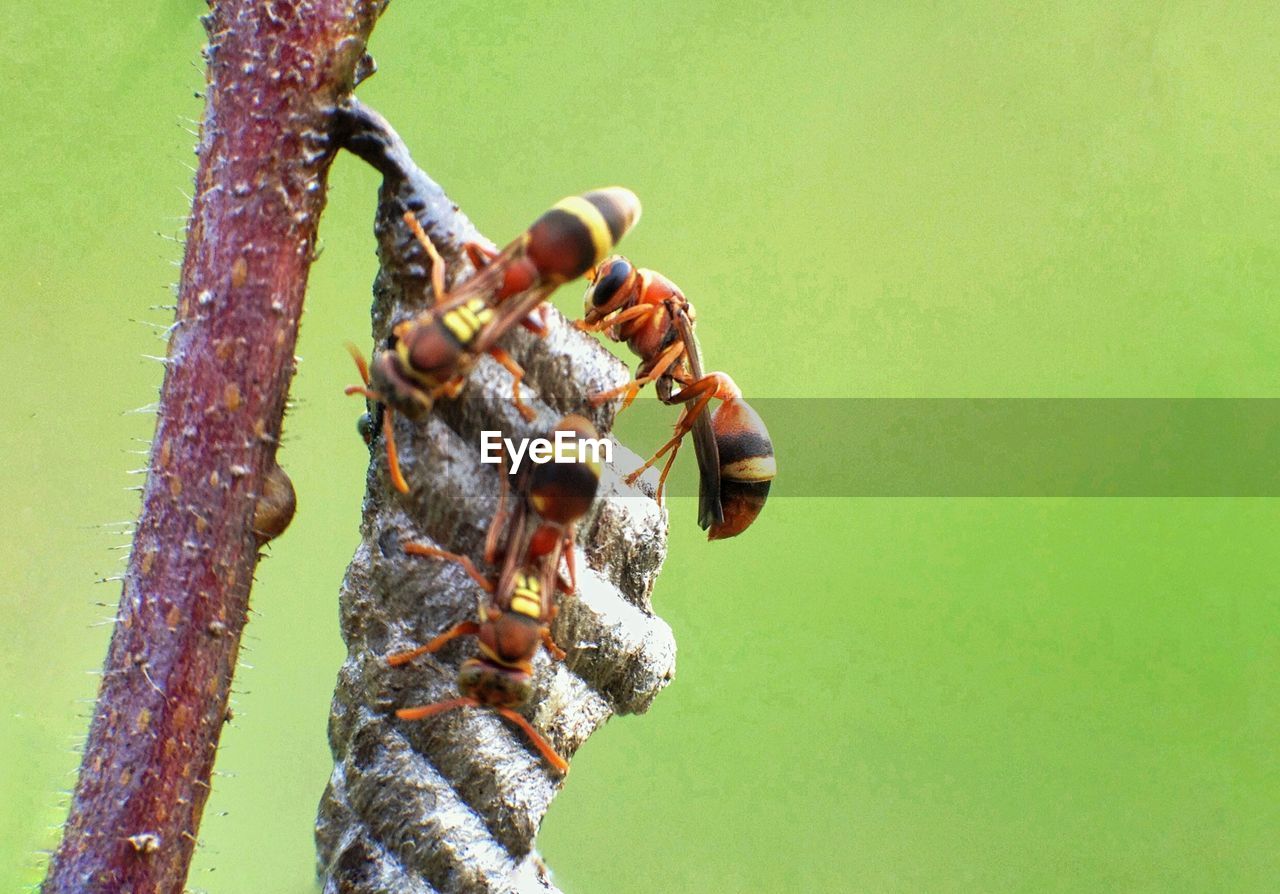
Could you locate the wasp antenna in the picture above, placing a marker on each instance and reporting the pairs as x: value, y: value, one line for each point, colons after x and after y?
x: 393, y: 455
x: 361, y: 364
x: 437, y: 262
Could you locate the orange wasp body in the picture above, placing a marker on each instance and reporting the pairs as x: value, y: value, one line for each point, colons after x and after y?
x: 735, y: 454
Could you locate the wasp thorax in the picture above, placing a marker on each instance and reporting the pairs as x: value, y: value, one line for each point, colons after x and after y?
x: 544, y: 539
x: 430, y: 349
x: 562, y: 492
x: 513, y: 638
x: 491, y: 684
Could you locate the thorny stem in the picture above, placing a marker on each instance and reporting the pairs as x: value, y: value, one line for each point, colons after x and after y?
x: 276, y: 71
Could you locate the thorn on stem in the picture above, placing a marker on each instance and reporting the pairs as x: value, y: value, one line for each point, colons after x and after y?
x: 144, y: 843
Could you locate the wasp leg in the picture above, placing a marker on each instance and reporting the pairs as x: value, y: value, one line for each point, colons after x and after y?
x: 568, y: 560
x: 552, y: 649
x: 666, y: 359
x: 437, y: 262
x: 544, y: 748
x: 466, y: 628
x: 631, y: 313
x: 424, y: 711
x: 517, y: 374
x: 536, y: 321
x: 388, y: 432
x: 479, y: 255
x: 449, y: 389
x: 500, y: 517
x: 431, y: 552
x: 361, y: 366
x: 393, y: 455
x: 366, y: 393
x: 666, y: 470
x: 699, y: 394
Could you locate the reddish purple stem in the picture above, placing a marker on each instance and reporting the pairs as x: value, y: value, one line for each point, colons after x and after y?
x: 276, y: 69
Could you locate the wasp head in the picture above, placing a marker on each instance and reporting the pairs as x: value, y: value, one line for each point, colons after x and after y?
x: 388, y: 377
x: 612, y: 288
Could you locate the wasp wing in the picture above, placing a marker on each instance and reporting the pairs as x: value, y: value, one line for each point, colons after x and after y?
x: 484, y: 283
x: 509, y: 314
x: 710, y: 511
x: 514, y: 546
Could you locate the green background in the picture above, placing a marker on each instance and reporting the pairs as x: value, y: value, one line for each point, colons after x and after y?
x: 872, y: 200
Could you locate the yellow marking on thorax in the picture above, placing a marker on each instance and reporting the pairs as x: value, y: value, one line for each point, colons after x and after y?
x: 527, y: 596
x: 466, y: 321
x: 593, y: 220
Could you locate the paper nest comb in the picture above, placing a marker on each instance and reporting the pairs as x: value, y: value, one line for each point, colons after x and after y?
x: 453, y: 804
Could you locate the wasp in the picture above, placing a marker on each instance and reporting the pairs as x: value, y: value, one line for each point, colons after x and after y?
x: 515, y: 617
x: 428, y: 356
x: 650, y: 313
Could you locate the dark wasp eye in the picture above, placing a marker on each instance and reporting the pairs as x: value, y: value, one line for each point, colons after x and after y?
x: 607, y: 286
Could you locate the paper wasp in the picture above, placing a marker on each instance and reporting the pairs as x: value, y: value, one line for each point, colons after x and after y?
x: 515, y: 618
x: 735, y: 455
x: 429, y: 355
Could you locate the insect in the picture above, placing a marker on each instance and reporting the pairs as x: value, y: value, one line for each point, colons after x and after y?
x: 515, y: 618
x: 429, y: 355
x: 735, y: 454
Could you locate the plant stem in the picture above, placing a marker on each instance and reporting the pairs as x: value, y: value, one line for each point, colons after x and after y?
x: 276, y: 71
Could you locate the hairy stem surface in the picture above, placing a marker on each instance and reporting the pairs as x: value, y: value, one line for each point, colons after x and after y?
x: 276, y: 71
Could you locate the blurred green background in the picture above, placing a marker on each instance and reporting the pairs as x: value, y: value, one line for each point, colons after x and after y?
x: 862, y: 199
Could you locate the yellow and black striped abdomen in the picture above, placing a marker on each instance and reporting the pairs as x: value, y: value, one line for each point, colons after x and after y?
x: 747, y: 466
x: 746, y: 450
x: 580, y: 232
